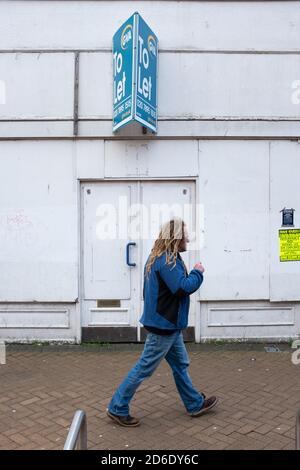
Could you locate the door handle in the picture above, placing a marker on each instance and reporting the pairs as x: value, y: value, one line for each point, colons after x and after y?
x: 128, y: 253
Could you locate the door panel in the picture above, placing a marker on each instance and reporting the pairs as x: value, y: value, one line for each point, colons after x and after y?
x: 234, y: 191
x: 106, y: 274
x: 163, y: 200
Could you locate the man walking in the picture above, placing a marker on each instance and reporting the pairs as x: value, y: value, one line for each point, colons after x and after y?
x: 167, y: 287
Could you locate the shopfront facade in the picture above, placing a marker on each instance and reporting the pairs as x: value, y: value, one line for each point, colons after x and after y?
x: 227, y: 148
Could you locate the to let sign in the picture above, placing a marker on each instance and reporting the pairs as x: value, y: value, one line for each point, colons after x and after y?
x: 135, y: 56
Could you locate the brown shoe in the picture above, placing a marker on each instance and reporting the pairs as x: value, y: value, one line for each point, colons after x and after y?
x: 127, y: 421
x: 209, y: 403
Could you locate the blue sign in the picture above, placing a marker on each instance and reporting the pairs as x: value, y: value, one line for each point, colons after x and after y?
x: 135, y: 54
x: 146, y: 96
x: 123, y: 90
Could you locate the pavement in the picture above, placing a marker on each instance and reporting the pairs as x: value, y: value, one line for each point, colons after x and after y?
x: 43, y: 385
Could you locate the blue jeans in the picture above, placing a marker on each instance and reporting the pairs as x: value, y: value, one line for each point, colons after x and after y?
x: 172, y: 348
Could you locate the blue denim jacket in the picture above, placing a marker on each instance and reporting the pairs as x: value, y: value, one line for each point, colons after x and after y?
x: 166, y: 293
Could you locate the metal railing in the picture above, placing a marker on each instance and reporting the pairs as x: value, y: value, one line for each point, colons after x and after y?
x: 77, y: 436
x: 298, y: 430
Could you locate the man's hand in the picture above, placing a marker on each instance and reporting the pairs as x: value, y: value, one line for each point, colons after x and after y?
x: 200, y: 267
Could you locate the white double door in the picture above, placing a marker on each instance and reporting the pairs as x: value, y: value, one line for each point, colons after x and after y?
x: 120, y: 222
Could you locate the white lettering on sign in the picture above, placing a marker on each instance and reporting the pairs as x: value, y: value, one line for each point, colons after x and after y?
x: 119, y: 87
x: 118, y: 62
x: 145, y: 85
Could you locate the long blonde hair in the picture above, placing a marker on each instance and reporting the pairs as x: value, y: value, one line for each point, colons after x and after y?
x: 170, y: 236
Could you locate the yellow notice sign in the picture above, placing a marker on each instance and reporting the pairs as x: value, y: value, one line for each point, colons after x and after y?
x: 289, y: 241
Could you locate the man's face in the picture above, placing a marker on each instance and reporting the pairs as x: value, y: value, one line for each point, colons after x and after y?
x: 183, y: 243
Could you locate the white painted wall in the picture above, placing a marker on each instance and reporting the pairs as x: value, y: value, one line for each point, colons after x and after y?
x: 190, y: 25
x: 153, y: 159
x: 284, y: 192
x: 23, y: 322
x: 234, y: 190
x: 190, y: 86
x: 37, y: 85
x: 38, y: 222
x: 194, y: 85
x: 218, y: 60
x: 254, y: 321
